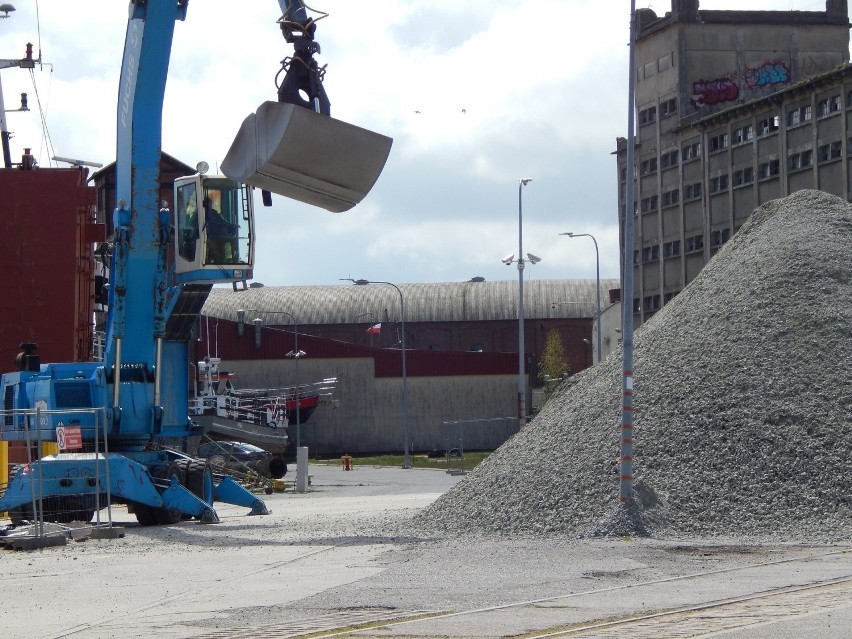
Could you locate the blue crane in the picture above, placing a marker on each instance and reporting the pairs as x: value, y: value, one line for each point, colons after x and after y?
x: 130, y: 411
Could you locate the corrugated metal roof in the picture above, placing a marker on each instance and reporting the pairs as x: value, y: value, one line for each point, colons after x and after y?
x: 434, y: 302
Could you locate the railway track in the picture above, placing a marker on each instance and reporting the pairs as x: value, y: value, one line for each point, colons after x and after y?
x: 773, y: 605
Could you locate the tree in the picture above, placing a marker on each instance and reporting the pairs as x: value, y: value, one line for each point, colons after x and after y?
x: 553, y: 367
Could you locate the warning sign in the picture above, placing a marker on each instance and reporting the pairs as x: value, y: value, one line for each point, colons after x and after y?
x: 69, y: 437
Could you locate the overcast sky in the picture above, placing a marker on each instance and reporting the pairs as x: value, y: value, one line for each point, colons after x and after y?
x: 475, y: 94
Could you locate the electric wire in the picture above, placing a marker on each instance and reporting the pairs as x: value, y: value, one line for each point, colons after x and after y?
x: 46, y: 140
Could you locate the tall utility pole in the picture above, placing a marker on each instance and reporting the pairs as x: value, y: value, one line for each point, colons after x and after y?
x: 625, y: 492
x: 25, y: 63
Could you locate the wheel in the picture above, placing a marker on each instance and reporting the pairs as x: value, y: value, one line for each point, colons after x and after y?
x: 277, y: 467
x: 183, y: 465
x: 144, y: 514
x: 166, y: 516
x: 199, y: 480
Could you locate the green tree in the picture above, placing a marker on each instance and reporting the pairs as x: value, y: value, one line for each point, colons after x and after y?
x: 553, y: 366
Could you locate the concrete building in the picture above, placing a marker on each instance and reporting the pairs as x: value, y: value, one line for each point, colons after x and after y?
x: 735, y: 108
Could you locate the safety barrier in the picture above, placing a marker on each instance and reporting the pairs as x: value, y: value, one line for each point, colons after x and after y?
x: 52, y: 513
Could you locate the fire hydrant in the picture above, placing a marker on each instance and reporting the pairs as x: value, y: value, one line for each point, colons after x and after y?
x: 347, y: 462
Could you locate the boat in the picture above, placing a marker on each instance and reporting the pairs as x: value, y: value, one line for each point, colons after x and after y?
x: 260, y: 416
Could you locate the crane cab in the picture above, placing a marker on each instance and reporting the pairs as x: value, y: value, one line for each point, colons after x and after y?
x: 214, y: 229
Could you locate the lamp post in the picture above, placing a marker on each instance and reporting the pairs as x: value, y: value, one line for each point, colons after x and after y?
x: 597, y: 284
x: 522, y: 387
x: 295, y: 354
x: 406, y: 461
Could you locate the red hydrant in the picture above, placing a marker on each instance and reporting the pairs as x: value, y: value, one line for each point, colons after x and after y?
x: 347, y: 462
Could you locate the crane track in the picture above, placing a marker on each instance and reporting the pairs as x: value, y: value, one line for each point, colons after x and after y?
x: 696, y: 621
x: 692, y: 621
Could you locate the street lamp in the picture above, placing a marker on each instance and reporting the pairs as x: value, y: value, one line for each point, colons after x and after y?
x: 406, y: 461
x: 522, y: 387
x: 295, y: 353
x: 598, y: 283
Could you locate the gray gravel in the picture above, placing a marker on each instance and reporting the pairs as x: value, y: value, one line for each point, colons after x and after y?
x: 743, y: 407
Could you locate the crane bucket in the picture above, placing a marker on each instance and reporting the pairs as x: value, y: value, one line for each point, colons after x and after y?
x: 310, y: 157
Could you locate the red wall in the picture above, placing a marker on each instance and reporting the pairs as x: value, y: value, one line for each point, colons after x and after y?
x: 46, y: 289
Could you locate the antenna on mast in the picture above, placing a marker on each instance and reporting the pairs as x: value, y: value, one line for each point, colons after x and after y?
x: 78, y: 163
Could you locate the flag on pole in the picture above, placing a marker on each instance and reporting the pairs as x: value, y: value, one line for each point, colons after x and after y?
x: 375, y: 329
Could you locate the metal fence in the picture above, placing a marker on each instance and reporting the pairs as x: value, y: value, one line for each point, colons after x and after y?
x: 456, y: 435
x: 50, y: 514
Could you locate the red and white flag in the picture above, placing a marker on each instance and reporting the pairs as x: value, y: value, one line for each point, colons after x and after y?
x: 375, y: 329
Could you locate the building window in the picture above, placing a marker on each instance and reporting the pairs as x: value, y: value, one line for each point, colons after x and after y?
x: 670, y: 198
x: 828, y: 106
x: 830, y: 151
x: 637, y: 307
x: 651, y: 253
x: 648, y: 166
x: 668, y: 297
x: 744, y: 176
x: 692, y: 191
x: 720, y: 237
x: 767, y: 126
x: 743, y: 134
x: 691, y: 152
x: 718, y: 183
x: 799, y: 115
x: 718, y: 142
x: 768, y: 169
x: 647, y: 116
x: 635, y: 257
x: 694, y: 243
x: 649, y: 204
x: 668, y: 107
x: 652, y: 303
x: 669, y: 159
x: 800, y: 160
x: 671, y: 249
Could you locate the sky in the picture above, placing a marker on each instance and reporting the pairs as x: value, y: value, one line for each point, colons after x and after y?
x: 476, y: 96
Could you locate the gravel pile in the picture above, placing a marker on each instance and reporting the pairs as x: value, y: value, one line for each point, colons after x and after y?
x: 743, y: 407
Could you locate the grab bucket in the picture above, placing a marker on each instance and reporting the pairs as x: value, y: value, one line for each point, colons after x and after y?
x: 292, y: 151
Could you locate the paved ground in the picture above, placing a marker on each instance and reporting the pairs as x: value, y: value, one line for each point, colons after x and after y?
x: 342, y: 554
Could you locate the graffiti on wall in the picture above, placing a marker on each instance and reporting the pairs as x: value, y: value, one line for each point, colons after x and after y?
x: 767, y: 74
x: 727, y: 88
x: 714, y: 91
